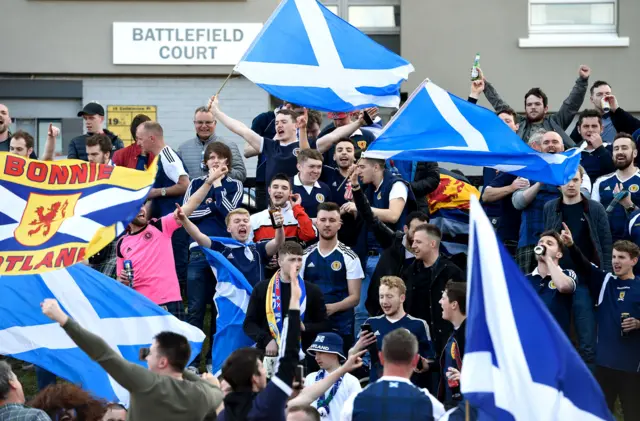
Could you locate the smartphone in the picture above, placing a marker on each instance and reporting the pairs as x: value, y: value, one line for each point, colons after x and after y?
x: 420, y: 364
x: 367, y: 118
x: 299, y: 376
x: 366, y: 327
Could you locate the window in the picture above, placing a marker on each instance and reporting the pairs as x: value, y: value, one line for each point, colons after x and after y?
x: 39, y: 129
x: 573, y: 23
x: 380, y: 19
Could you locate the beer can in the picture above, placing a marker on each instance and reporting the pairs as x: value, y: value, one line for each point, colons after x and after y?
x: 605, y: 105
x: 540, y: 250
x: 623, y: 317
x: 128, y: 268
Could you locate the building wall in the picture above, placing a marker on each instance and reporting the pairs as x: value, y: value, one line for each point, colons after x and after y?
x: 441, y: 38
x: 75, y: 37
x: 177, y: 98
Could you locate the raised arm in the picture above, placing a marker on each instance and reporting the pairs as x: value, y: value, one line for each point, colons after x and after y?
x: 191, y: 228
x: 327, y: 141
x: 592, y: 276
x: 237, y: 127
x: 132, y: 377
x: 274, y: 244
x: 571, y: 105
x: 564, y: 283
x: 493, y: 96
x: 382, y: 232
x: 50, y: 145
x: 313, y: 392
x: 301, y: 124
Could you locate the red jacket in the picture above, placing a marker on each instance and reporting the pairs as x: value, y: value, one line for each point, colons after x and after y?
x: 128, y: 157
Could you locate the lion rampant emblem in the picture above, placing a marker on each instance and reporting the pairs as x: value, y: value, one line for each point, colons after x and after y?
x: 45, y: 220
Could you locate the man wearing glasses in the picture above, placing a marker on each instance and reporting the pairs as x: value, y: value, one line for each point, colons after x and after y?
x: 192, y: 151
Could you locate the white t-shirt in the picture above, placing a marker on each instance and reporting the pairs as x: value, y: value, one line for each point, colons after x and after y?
x: 350, y: 385
x: 171, y: 164
x: 398, y: 191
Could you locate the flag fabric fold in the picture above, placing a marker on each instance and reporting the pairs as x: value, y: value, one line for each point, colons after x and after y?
x: 231, y: 300
x: 518, y: 363
x: 307, y: 55
x: 434, y: 125
x: 55, y: 214
x: 125, y: 319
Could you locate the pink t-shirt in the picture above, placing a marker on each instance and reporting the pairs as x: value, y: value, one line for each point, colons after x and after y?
x: 151, y: 255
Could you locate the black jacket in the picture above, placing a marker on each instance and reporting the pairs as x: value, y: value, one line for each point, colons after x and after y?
x: 392, y: 259
x: 315, y: 318
x: 459, y: 338
x: 426, y: 180
x: 78, y: 145
x: 424, y: 290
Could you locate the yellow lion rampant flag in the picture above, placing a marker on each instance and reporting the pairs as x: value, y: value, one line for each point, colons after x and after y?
x: 56, y: 214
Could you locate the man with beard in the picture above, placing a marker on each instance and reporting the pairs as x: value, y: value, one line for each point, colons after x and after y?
x: 336, y: 269
x: 336, y: 178
x: 147, y: 244
x: 536, y: 108
x: 626, y: 177
x: 93, y: 116
x: 596, y: 156
x: 531, y: 200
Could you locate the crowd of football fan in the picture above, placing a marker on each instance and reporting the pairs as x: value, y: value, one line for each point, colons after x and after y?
x: 346, y: 267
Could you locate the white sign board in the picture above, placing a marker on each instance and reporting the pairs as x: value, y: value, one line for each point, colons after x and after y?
x: 182, y: 43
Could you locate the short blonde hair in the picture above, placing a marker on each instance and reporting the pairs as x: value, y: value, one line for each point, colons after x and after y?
x: 239, y: 211
x: 394, y: 282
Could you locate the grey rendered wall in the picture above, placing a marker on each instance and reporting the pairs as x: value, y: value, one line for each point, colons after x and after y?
x: 75, y: 37
x: 441, y: 38
x: 176, y: 100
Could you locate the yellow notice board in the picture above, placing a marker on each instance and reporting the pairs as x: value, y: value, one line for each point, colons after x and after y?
x: 119, y: 119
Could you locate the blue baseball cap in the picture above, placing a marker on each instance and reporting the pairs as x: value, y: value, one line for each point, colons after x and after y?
x: 328, y: 342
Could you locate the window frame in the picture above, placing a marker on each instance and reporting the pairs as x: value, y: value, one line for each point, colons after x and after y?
x: 590, y: 35
x: 343, y: 12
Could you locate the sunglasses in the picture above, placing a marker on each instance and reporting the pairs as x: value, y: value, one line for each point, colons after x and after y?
x: 143, y: 354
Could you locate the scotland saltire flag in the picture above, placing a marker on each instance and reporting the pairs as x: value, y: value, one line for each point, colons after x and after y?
x: 518, y: 363
x: 56, y: 214
x: 231, y: 299
x: 434, y: 125
x: 125, y: 319
x: 307, y: 55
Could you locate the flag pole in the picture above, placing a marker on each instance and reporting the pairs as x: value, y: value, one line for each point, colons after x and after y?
x: 466, y: 410
x: 222, y: 86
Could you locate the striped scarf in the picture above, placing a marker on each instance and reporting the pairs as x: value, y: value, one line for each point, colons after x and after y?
x: 274, y: 305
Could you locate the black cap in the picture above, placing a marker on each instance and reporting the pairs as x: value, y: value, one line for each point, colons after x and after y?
x: 92, y: 108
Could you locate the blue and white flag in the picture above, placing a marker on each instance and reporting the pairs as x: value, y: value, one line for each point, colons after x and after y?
x: 307, y: 55
x: 434, y: 125
x: 518, y: 363
x: 231, y: 299
x: 125, y: 319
